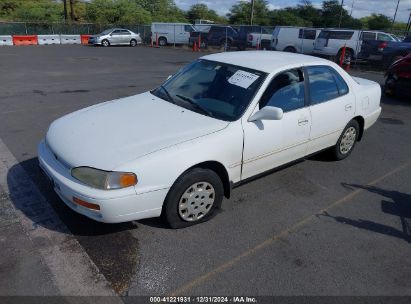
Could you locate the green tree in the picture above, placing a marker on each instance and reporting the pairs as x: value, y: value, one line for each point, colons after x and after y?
x: 240, y: 13
x: 378, y: 22
x: 201, y: 11
x: 40, y: 10
x: 287, y: 17
x: 162, y: 10
x: 117, y: 12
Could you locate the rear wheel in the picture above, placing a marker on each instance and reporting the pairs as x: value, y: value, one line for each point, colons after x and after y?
x: 347, y: 141
x: 133, y: 42
x: 389, y: 86
x: 290, y: 49
x: 162, y: 41
x: 193, y: 198
x: 347, y: 56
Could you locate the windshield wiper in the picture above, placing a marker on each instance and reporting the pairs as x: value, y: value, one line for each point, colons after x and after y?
x: 170, y: 99
x: 195, y: 105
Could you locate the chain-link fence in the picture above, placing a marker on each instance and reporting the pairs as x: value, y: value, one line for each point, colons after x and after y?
x: 39, y: 28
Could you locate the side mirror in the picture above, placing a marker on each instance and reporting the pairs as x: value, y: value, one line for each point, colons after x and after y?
x: 267, y: 113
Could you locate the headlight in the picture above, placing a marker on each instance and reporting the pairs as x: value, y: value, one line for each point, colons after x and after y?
x: 106, y: 180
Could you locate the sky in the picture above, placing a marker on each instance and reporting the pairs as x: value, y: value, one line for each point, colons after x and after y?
x: 361, y: 7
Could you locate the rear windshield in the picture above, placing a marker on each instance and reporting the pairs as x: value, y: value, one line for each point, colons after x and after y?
x: 339, y: 35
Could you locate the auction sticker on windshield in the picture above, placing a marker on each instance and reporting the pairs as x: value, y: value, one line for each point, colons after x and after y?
x: 243, y: 79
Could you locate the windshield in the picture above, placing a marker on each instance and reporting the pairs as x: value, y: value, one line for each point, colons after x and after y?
x: 215, y: 89
x: 106, y: 32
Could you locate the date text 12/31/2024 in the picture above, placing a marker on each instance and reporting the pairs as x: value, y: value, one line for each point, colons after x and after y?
x: 200, y: 299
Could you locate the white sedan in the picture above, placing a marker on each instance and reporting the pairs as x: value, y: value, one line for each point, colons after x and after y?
x: 177, y: 150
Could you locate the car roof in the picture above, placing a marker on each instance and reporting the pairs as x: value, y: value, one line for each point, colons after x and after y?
x: 265, y: 61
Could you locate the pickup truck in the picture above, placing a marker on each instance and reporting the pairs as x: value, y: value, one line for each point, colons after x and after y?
x: 220, y: 36
x: 260, y: 36
x: 384, y: 52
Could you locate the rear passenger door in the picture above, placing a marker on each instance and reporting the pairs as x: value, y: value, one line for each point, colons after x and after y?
x: 332, y: 106
x: 306, y: 40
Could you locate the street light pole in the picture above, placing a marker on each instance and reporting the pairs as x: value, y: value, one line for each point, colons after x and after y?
x: 352, y: 7
x: 65, y: 9
x: 341, y: 12
x: 252, y: 12
x: 395, y: 14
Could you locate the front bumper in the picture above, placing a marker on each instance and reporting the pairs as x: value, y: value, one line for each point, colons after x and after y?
x: 116, y: 206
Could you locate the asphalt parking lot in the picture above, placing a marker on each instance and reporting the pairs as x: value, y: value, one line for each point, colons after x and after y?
x: 314, y: 228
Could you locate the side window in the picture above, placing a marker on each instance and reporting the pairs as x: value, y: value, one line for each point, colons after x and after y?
x: 341, y: 35
x: 341, y: 84
x: 125, y: 32
x: 383, y: 37
x: 116, y: 33
x: 323, y: 86
x: 365, y: 36
x: 286, y: 91
x: 307, y: 34
x: 188, y: 28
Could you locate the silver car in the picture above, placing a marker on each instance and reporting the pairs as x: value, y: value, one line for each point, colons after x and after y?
x: 116, y: 36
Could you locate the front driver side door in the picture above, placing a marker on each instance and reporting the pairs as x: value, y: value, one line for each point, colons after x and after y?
x: 271, y: 143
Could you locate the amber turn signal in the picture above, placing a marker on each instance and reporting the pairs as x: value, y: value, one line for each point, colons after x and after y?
x: 85, y: 204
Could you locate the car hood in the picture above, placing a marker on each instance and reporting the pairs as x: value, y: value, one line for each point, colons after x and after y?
x: 110, y: 134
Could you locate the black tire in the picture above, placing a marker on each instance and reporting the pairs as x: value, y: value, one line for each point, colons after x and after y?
x: 389, y: 86
x: 337, y: 152
x: 348, y: 56
x: 171, y: 213
x: 162, y: 41
x: 133, y: 42
x: 105, y: 43
x: 290, y: 49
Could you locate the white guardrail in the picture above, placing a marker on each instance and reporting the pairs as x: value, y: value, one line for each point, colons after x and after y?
x: 6, y: 40
x: 48, y: 39
x: 70, y: 39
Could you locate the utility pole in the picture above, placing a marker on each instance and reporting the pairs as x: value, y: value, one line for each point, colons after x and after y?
x: 65, y: 10
x: 341, y: 12
x: 252, y: 12
x: 72, y: 15
x: 352, y: 7
x: 408, y: 23
x: 395, y: 14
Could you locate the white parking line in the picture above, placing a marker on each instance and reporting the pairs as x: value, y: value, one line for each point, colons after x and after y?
x: 74, y: 273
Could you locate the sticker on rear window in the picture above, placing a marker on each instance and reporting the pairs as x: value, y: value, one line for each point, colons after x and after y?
x: 243, y: 79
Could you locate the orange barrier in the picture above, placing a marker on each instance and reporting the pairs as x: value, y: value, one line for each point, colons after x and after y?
x: 25, y: 40
x: 195, y: 46
x: 84, y: 39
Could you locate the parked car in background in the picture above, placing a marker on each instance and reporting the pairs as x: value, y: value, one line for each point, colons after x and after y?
x: 116, y: 36
x: 176, y: 151
x: 330, y: 42
x: 294, y: 39
x: 221, y: 36
x: 259, y: 35
x: 170, y: 33
x: 386, y: 52
x: 398, y: 77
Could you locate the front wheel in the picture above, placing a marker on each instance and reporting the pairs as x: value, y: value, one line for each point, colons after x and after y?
x: 347, y: 141
x: 193, y: 198
x: 389, y: 86
x: 105, y: 43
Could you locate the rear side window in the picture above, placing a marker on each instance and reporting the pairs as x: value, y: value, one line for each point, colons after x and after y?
x: 367, y: 36
x: 341, y: 84
x: 384, y: 37
x: 322, y: 83
x: 338, y: 35
x: 306, y: 34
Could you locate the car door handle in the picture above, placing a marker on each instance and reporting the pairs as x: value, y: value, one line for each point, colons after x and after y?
x: 302, y: 122
x: 348, y: 107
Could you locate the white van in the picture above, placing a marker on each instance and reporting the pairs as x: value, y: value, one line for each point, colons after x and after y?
x: 294, y: 39
x: 170, y: 33
x: 330, y: 42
